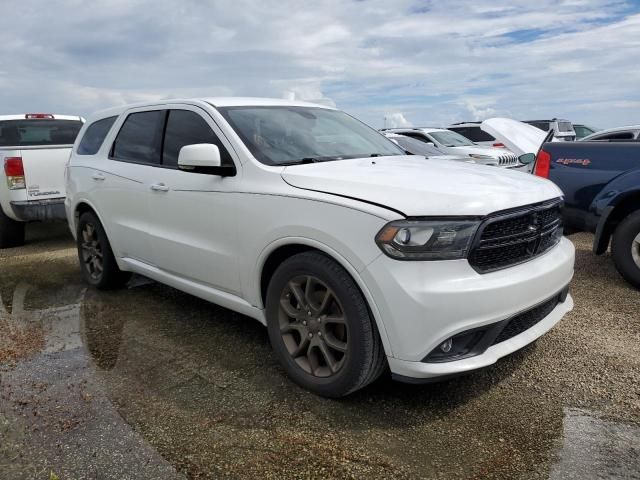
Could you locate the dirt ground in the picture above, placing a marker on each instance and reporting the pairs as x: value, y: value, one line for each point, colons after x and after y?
x: 149, y: 382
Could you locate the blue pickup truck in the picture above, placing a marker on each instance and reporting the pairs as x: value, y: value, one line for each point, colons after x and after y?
x: 601, y: 185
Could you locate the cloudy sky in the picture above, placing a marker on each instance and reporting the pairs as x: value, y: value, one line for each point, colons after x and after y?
x: 412, y: 62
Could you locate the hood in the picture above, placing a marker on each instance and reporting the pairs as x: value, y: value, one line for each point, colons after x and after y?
x: 517, y: 136
x: 415, y: 187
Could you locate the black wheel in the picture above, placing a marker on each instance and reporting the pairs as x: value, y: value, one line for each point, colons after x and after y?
x: 625, y: 249
x: 11, y: 232
x: 97, y: 262
x: 320, y: 327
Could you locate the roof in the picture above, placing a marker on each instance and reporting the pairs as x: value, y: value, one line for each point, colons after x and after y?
x: 214, y: 101
x: 22, y: 116
x: 413, y: 129
x: 619, y: 129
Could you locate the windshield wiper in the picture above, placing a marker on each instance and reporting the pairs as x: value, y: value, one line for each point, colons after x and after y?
x: 304, y: 160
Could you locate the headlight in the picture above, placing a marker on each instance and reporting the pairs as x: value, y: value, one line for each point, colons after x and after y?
x: 427, y: 239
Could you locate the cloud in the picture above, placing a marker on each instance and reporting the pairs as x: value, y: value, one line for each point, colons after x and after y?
x: 396, y: 119
x: 439, y: 63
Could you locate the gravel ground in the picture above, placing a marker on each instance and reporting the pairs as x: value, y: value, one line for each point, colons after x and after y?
x: 148, y: 382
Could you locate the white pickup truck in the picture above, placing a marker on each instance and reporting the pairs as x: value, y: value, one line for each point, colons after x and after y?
x: 34, y: 150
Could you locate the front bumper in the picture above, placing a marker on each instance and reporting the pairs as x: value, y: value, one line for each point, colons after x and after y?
x: 422, y: 304
x: 39, y: 210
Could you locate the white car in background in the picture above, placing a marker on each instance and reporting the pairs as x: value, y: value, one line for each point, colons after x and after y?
x: 453, y: 143
x: 34, y: 150
x: 355, y: 256
x: 628, y: 133
x: 418, y: 147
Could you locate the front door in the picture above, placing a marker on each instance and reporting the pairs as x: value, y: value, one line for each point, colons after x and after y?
x: 193, y: 223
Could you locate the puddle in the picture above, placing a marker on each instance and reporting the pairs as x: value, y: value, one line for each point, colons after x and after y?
x: 596, y: 448
x: 149, y: 382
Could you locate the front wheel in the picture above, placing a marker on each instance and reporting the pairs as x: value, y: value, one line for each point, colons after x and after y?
x: 625, y: 249
x: 99, y: 266
x: 320, y: 327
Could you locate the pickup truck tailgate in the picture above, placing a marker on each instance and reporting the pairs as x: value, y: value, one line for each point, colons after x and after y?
x: 44, y: 171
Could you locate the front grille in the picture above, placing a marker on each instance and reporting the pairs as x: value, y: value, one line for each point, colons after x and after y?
x: 507, y: 160
x: 526, y: 320
x: 517, y: 236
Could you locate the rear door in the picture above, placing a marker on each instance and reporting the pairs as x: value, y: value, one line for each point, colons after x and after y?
x: 121, y: 182
x: 44, y: 144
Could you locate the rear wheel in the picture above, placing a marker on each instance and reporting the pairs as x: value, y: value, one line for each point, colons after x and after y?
x: 320, y: 327
x: 625, y: 249
x: 99, y: 266
x: 11, y: 232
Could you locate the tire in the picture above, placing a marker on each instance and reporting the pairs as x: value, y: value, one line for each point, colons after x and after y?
x: 98, y: 265
x: 352, y: 356
x: 625, y: 249
x: 11, y: 232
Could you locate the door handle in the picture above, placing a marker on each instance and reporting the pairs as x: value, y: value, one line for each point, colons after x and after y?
x: 98, y: 177
x: 159, y: 187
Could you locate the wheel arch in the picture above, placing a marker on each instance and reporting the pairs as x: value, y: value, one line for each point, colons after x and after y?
x: 610, y: 219
x: 280, y: 250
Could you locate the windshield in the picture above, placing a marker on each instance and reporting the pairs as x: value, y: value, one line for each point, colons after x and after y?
x: 28, y: 133
x: 582, y: 131
x: 279, y: 135
x: 451, y: 139
x: 416, y: 147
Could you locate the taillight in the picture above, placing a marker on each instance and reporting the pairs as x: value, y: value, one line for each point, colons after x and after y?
x: 14, y: 171
x: 38, y: 115
x: 499, y: 145
x: 543, y: 162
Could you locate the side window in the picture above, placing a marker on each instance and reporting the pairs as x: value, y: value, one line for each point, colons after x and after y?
x: 94, y: 136
x: 185, y: 127
x: 139, y: 139
x: 616, y: 136
x: 418, y: 136
x: 475, y: 134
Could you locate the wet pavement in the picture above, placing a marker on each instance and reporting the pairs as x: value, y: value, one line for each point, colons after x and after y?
x: 148, y: 382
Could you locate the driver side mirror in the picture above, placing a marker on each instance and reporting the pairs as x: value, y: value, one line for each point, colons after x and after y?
x: 527, y: 158
x: 203, y: 158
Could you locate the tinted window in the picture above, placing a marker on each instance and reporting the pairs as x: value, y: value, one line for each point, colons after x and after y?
x: 139, y: 138
x: 94, y: 136
x: 615, y: 136
x: 475, y: 134
x: 26, y: 133
x: 187, y: 128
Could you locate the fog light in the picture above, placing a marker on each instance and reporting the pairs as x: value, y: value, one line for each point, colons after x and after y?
x: 446, y: 345
x: 460, y: 345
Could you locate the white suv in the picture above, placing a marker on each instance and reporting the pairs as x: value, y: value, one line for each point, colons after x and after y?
x: 355, y: 256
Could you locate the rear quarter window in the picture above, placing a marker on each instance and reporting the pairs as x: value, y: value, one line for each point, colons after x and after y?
x: 94, y: 136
